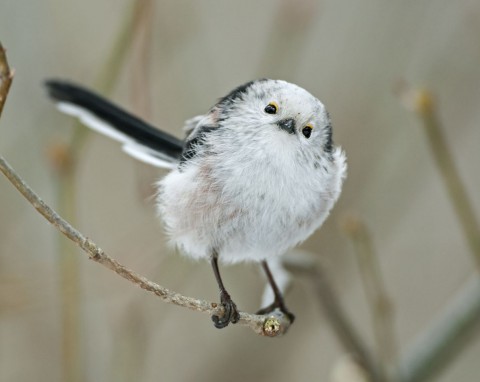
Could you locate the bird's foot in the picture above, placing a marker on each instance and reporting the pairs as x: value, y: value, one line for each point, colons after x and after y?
x: 230, y: 312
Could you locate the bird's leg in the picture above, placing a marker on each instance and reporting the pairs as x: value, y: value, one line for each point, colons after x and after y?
x: 278, y: 302
x: 231, y: 313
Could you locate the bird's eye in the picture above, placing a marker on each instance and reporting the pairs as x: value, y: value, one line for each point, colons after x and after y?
x: 307, y: 131
x: 271, y: 108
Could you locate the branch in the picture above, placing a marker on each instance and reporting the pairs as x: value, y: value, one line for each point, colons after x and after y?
x: 64, y: 159
x: 6, y: 77
x: 422, y: 103
x: 271, y: 325
x: 336, y: 317
x: 381, y: 307
x: 445, y: 338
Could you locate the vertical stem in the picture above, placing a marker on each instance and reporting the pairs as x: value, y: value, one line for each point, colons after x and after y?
x: 130, y: 351
x: 425, y: 108
x: 109, y: 73
x: 338, y: 320
x: 141, y: 59
x: 380, y: 305
x: 445, y: 338
x: 69, y: 275
x: 6, y: 77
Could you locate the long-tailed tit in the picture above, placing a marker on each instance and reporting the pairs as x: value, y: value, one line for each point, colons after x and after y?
x: 255, y: 176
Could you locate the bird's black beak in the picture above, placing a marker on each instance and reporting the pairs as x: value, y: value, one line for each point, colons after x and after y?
x: 287, y: 125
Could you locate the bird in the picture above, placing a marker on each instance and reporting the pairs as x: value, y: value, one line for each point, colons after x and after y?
x: 254, y: 177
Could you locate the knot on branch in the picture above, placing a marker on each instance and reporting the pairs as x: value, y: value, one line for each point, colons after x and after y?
x: 94, y: 252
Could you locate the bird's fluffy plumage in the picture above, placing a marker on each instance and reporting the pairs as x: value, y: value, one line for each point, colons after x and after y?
x: 252, y: 191
x: 239, y: 185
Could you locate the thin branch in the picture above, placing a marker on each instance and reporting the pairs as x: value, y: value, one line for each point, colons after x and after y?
x: 141, y: 56
x: 108, y: 77
x: 336, y: 317
x: 271, y: 325
x: 452, y: 330
x: 423, y: 104
x: 445, y: 338
x: 380, y: 304
x: 66, y: 166
x: 6, y: 77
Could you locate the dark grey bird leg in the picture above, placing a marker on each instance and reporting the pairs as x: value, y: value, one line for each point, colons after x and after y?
x: 278, y: 302
x: 231, y: 312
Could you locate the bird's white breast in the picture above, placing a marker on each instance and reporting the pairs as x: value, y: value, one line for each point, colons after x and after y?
x: 248, y: 204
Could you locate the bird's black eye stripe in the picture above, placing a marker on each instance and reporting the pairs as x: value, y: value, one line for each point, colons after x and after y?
x: 271, y: 108
x: 307, y: 131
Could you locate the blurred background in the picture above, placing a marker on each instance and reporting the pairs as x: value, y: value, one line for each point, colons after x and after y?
x: 64, y: 318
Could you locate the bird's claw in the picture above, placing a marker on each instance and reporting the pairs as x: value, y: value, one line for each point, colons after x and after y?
x: 230, y: 312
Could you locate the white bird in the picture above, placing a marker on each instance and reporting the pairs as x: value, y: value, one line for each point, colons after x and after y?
x: 255, y: 176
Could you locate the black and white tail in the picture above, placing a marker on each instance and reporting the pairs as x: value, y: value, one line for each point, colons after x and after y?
x: 140, y: 139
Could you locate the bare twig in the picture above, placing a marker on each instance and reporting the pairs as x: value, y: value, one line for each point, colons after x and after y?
x: 110, y: 72
x: 380, y: 305
x: 451, y: 331
x: 336, y: 317
x: 6, y: 77
x: 272, y: 325
x: 73, y: 364
x: 422, y: 103
x: 445, y: 338
x: 141, y: 83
